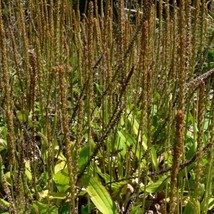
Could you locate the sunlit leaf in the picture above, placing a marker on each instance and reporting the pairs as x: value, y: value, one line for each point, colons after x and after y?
x: 28, y: 170
x: 61, y: 180
x: 4, y: 203
x: 211, y: 204
x: 57, y: 195
x: 43, y: 194
x: 154, y: 158
x: 156, y: 186
x: 100, y: 197
x: 52, y: 195
x: 61, y: 165
x: 133, y: 123
x: 122, y: 142
x: 105, y: 176
x: 3, y: 145
x: 118, y: 188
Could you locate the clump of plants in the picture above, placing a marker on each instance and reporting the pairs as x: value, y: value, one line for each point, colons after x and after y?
x: 110, y: 111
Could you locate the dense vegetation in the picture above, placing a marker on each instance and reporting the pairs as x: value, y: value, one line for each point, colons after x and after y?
x: 109, y: 112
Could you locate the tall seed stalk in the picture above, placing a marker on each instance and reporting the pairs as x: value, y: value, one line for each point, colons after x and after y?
x: 201, y: 112
x: 25, y: 40
x: 66, y: 130
x: 210, y: 172
x: 7, y: 88
x: 9, y: 113
x: 177, y: 151
x: 89, y: 73
x: 145, y: 84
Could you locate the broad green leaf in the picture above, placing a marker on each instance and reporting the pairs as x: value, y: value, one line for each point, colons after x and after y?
x: 121, y: 143
x: 137, y: 210
x: 125, y: 140
x: 134, y: 124
x: 83, y: 157
x: 100, y: 197
x: 41, y: 208
x: 193, y: 206
x: 156, y: 186
x: 65, y: 208
x: 105, y: 176
x: 61, y: 165
x: 188, y: 209
x: 22, y: 116
x: 59, y: 156
x: 61, y: 180
x: 129, y: 139
x: 84, y: 154
x: 119, y: 188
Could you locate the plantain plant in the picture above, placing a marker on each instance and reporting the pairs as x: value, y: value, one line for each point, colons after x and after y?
x: 108, y: 109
